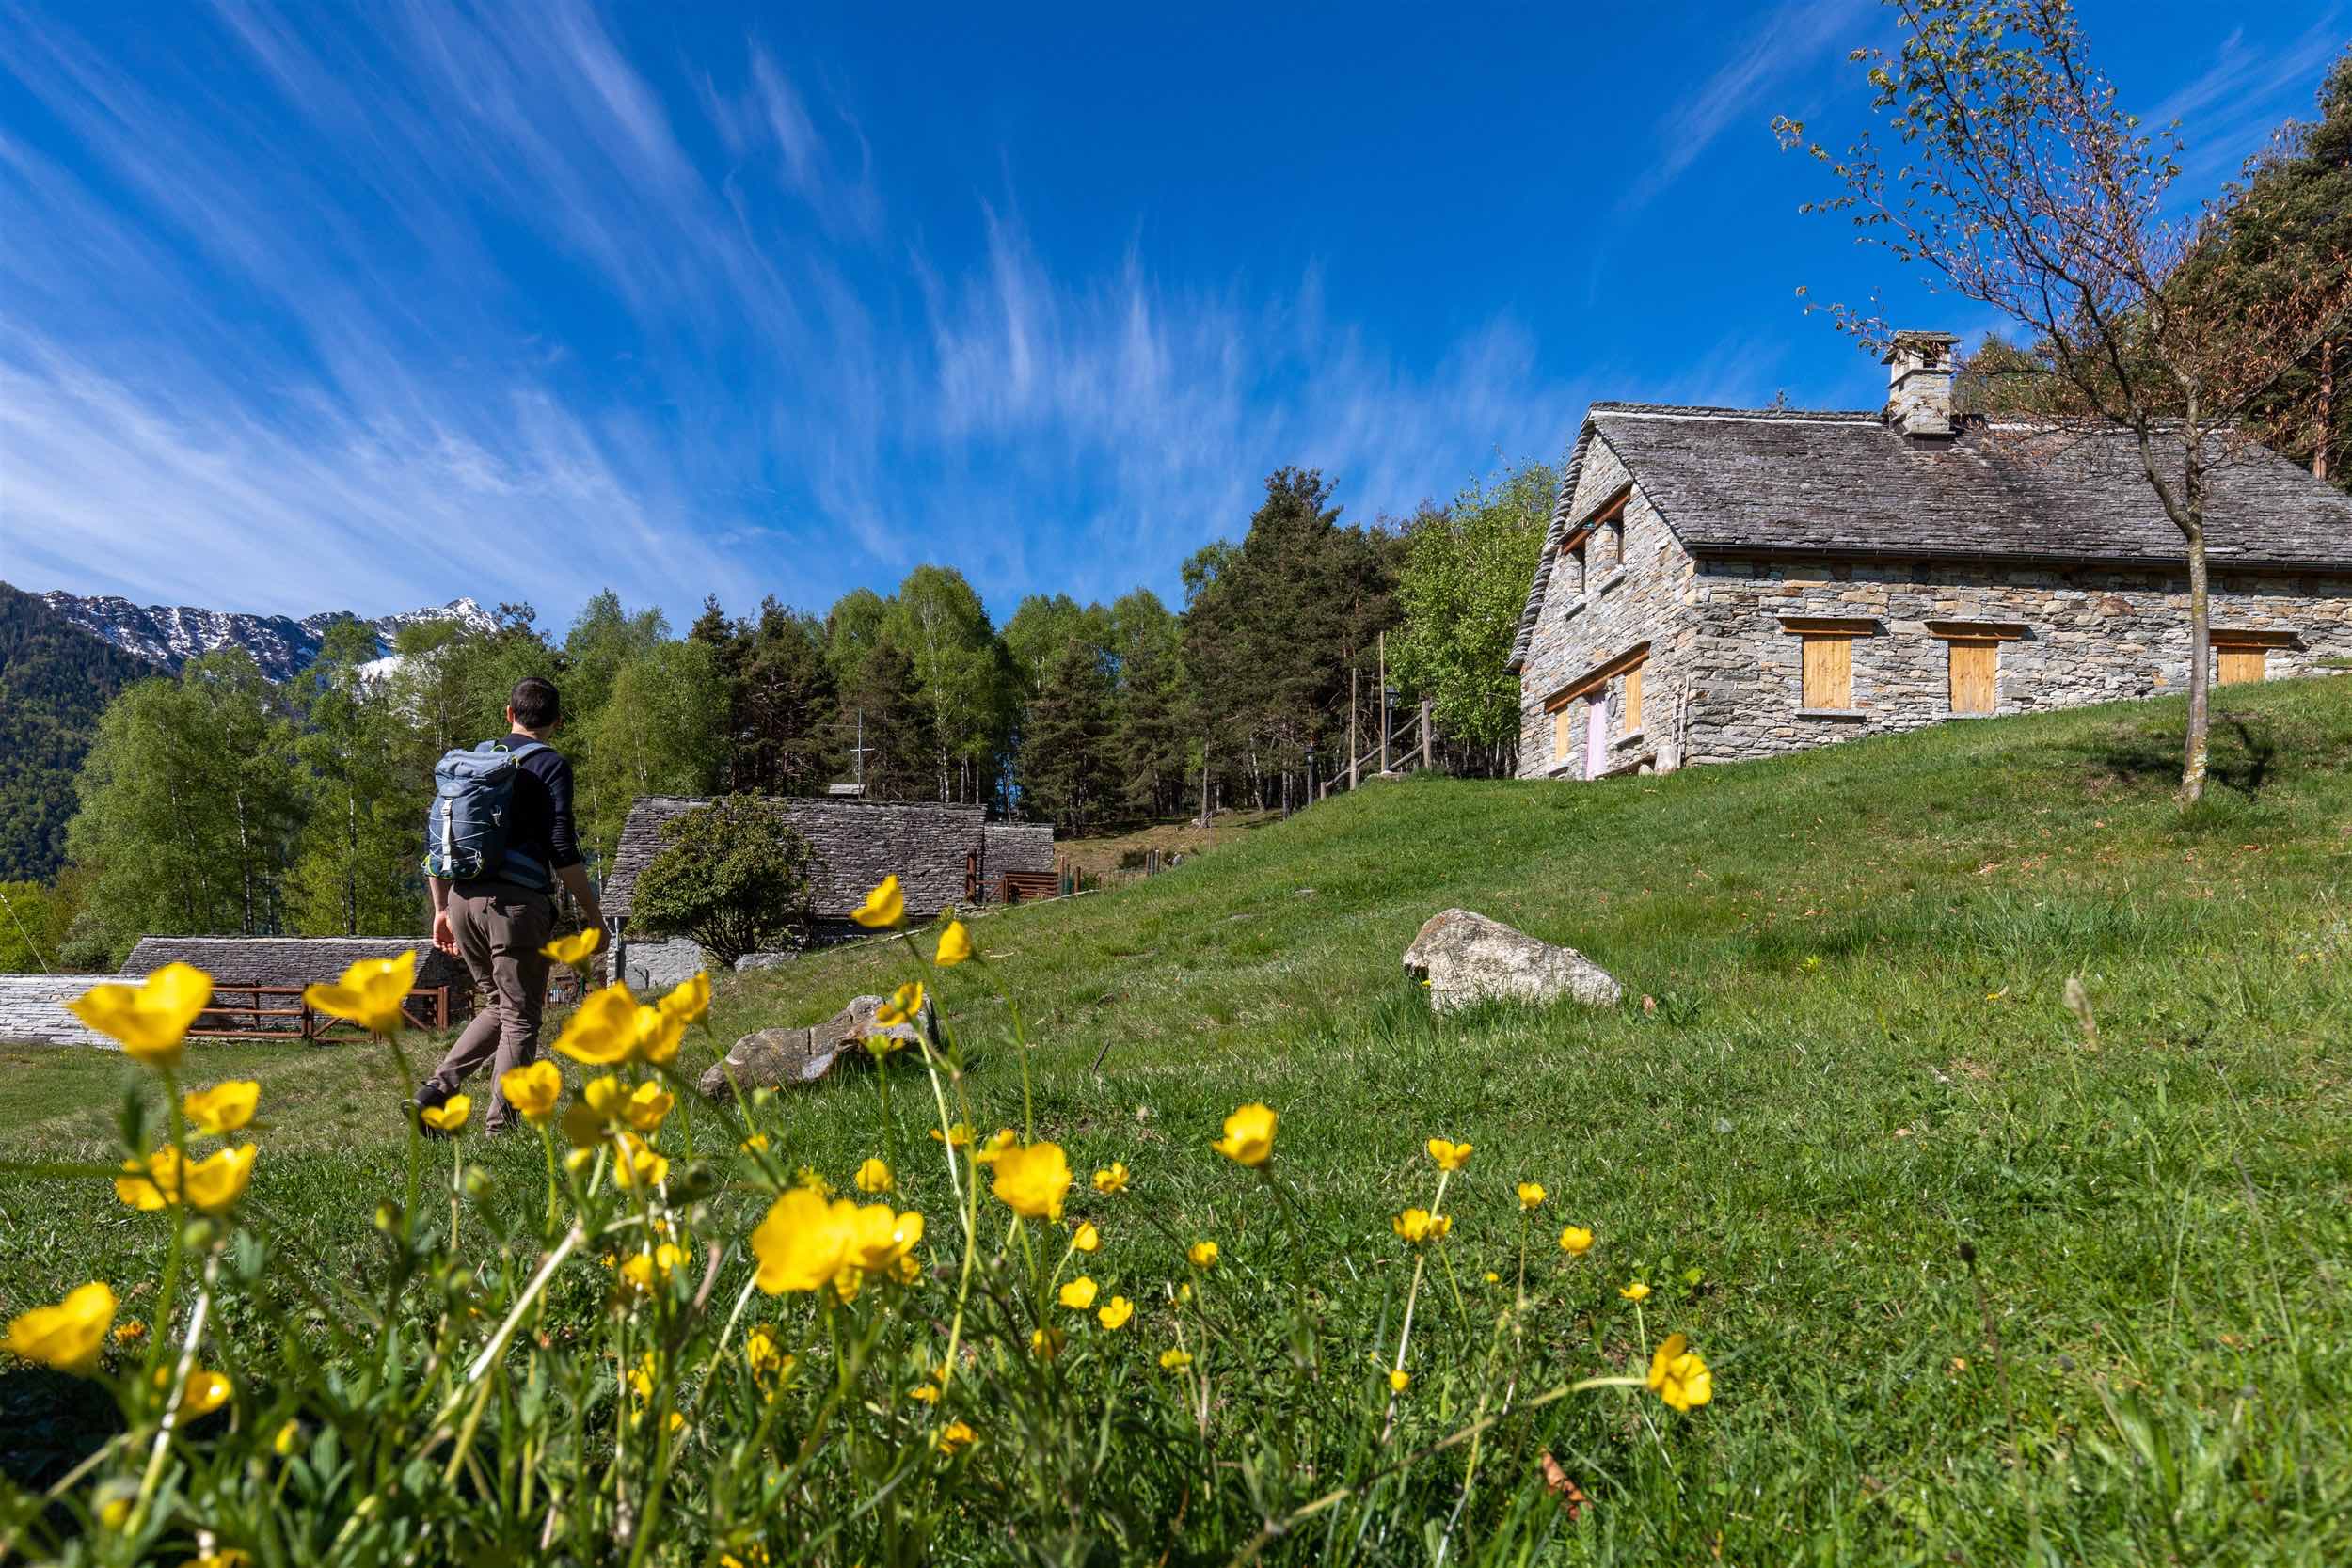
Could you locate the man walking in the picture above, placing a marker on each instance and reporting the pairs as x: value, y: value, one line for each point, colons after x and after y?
x: 493, y: 872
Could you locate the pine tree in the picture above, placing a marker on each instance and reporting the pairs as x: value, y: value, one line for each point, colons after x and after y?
x: 1067, y: 772
x: 787, y: 706
x: 882, y: 719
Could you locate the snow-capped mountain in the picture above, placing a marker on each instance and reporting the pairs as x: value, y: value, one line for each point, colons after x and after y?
x: 170, y: 636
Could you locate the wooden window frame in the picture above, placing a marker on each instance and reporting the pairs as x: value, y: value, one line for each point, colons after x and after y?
x: 1606, y: 670
x: 1952, y: 646
x: 1848, y: 629
x: 1562, y: 736
x: 2225, y: 653
x: 1629, y: 705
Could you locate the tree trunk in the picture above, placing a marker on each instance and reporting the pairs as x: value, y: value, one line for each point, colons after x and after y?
x: 2199, y: 655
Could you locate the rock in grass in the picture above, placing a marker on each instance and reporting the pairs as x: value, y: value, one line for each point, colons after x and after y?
x: 785, y: 1058
x: 752, y: 962
x: 652, y: 968
x: 1467, y: 959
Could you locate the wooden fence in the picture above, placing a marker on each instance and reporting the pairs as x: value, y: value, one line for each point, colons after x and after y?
x: 426, y: 1008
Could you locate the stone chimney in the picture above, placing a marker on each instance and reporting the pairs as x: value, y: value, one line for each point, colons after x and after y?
x: 1919, y: 383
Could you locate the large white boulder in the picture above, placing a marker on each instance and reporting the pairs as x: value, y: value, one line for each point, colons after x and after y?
x: 1467, y: 959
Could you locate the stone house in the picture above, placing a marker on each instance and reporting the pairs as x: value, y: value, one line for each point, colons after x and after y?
x: 1723, y: 584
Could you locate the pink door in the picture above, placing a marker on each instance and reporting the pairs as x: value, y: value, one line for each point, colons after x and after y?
x: 1596, y: 734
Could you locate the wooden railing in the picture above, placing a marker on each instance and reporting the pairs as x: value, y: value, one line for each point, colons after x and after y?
x: 426, y: 1008
x: 1399, y: 752
x: 1016, y: 886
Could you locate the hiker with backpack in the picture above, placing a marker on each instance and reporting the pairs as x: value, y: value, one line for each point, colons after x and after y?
x: 500, y: 839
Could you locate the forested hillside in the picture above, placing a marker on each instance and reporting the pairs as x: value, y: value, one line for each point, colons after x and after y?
x: 54, y: 681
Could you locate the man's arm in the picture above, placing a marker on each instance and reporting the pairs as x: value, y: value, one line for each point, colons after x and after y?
x: 563, y: 839
x: 443, y: 937
x: 575, y: 880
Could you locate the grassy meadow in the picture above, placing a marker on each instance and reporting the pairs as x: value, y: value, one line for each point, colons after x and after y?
x: 1847, y: 1063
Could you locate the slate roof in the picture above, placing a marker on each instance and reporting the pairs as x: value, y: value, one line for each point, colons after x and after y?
x: 1846, y: 483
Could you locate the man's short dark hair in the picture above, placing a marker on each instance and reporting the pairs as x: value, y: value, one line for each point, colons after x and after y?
x: 536, y: 703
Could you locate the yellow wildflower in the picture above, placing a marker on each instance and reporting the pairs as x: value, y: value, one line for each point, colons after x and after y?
x: 224, y: 1107
x: 874, y: 1176
x: 288, y: 1436
x: 813, y: 1179
x: 885, y: 908
x: 953, y: 1438
x: 1202, y: 1254
x: 904, y: 1006
x: 209, y: 1185
x: 201, y: 1394
x: 802, y: 1243
x: 646, y: 1105
x: 1032, y: 1179
x: 636, y: 1164
x: 689, y: 1001
x: 151, y: 1018
x: 1249, y: 1135
x: 370, y: 993
x: 1086, y: 1238
x: 1531, y: 1195
x: 129, y: 1329
x: 533, y: 1091
x: 1116, y: 1312
x: 575, y: 949
x: 1111, y: 1178
x: 659, y: 1032
x: 1418, y: 1225
x: 755, y: 1142
x: 597, y: 1107
x: 1575, y: 1241
x: 1448, y: 1155
x: 602, y: 1030
x: 70, y: 1335
x: 1679, y: 1376
x: 639, y: 1272
x: 1635, y: 1292
x: 1046, y: 1343
x: 878, y: 1236
x: 1078, y: 1294
x: 1175, y: 1360
x: 957, y: 1136
x: 449, y: 1115
x: 955, y: 946
x: 1398, y: 1379
x: 993, y: 1147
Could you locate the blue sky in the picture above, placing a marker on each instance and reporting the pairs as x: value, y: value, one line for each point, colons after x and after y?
x: 365, y: 308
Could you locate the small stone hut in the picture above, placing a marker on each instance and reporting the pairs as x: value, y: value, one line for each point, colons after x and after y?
x: 941, y: 854
x: 1722, y: 583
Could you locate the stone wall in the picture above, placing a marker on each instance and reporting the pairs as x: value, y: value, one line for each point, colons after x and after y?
x: 1593, y: 616
x: 2085, y: 636
x: 32, y: 1010
x: 232, y: 961
x: 929, y: 847
x: 1015, y: 847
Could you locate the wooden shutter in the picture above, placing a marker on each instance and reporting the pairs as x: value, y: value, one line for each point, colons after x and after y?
x: 1828, y: 671
x: 1975, y: 662
x: 1560, y: 736
x: 2239, y: 665
x: 1632, y: 699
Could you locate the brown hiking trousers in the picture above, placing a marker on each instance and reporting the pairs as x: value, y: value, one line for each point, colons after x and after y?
x: 499, y: 928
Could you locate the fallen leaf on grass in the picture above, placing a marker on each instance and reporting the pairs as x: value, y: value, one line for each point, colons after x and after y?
x: 1572, y: 1499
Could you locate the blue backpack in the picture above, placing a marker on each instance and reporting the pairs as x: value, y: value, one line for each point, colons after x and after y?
x: 474, y: 795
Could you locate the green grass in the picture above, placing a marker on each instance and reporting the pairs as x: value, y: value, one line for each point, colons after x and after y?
x: 1859, y: 1059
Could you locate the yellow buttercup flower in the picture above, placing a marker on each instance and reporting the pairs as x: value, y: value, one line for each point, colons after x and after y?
x: 955, y: 946
x: 1679, y: 1376
x: 659, y: 1032
x: 1116, y: 1312
x: 802, y: 1243
x: 764, y: 1355
x: 215, y: 1182
x: 904, y: 1006
x: 636, y: 1164
x: 575, y: 949
x: 993, y: 1149
x: 602, y: 1031
x: 150, y: 1184
x: 646, y: 1105
x: 1448, y: 1155
x: 878, y: 1235
x: 1531, y: 1194
x: 224, y: 1107
x: 449, y: 1115
x: 957, y: 1136
x: 1635, y: 1292
x: 1078, y: 1294
x: 953, y: 1438
x: 885, y: 908
x: 533, y: 1091
x: 201, y: 1394
x: 874, y: 1176
x: 689, y: 1001
x: 1032, y: 1179
x: 1111, y: 1178
x: 151, y: 1018
x: 813, y: 1179
x: 639, y: 1272
x: 370, y: 993
x: 288, y: 1436
x: 1202, y: 1255
x: 1046, y: 1343
x: 1575, y: 1241
x: 1398, y: 1379
x: 1086, y: 1238
x: 1249, y: 1135
x: 211, y: 1184
x: 1418, y: 1225
x: 595, y: 1109
x: 1175, y: 1360
x: 70, y: 1335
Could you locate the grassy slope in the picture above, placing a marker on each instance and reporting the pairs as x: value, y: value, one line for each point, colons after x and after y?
x: 1860, y: 1059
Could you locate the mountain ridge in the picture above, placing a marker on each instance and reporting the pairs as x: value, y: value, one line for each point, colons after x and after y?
x: 168, y: 635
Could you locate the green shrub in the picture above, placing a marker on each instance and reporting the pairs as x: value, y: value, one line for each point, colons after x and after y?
x: 732, y: 875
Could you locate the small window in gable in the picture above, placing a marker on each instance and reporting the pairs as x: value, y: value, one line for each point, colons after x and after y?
x: 1612, y: 535
x: 1576, y: 570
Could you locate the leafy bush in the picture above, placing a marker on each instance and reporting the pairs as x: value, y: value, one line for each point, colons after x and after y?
x: 704, y: 1357
x: 733, y: 875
